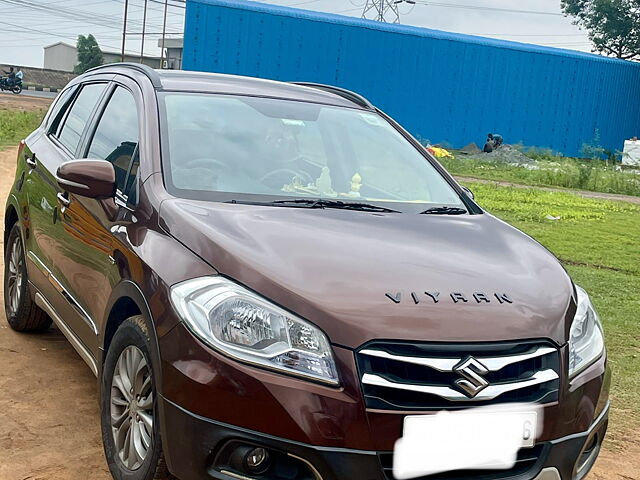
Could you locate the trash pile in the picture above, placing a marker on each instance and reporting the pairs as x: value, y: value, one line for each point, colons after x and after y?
x: 503, y: 154
x: 439, y: 152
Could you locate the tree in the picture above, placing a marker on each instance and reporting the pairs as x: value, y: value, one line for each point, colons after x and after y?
x: 613, y: 25
x: 89, y: 54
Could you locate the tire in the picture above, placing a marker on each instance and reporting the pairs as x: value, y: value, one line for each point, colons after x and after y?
x: 17, y: 89
x: 129, y: 411
x: 22, y: 313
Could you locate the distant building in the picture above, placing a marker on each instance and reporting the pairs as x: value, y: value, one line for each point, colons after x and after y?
x: 60, y: 56
x: 173, y: 52
x: 63, y: 56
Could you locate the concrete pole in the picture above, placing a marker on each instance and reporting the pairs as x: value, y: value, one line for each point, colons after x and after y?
x: 124, y: 29
x: 164, y: 29
x: 144, y: 26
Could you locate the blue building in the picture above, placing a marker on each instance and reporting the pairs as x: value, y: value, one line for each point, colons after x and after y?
x: 441, y: 86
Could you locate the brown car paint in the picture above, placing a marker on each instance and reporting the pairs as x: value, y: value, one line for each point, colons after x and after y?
x: 335, y: 268
x: 358, y: 276
x: 88, y: 178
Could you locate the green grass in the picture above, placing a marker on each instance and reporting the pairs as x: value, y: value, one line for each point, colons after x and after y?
x: 15, y: 125
x: 593, y: 175
x: 599, y: 243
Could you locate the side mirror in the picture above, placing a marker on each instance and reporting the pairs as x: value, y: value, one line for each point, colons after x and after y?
x: 468, y: 192
x: 88, y: 178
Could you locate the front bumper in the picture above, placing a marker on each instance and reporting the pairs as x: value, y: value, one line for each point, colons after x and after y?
x: 193, y: 452
x: 209, y: 400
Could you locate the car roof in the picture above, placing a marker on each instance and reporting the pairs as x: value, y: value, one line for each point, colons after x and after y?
x: 203, y: 82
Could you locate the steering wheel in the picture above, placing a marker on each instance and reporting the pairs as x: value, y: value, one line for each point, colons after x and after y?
x: 289, y: 172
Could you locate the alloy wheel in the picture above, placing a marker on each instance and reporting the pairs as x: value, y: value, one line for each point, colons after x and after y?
x: 15, y: 276
x: 132, y: 407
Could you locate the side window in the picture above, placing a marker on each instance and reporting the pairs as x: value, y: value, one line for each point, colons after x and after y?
x: 79, y: 114
x: 116, y: 137
x: 131, y: 189
x: 59, y: 108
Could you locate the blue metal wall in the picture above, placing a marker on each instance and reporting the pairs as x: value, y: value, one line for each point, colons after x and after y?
x: 441, y: 86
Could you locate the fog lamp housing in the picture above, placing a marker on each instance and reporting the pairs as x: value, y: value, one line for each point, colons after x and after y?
x: 257, y: 460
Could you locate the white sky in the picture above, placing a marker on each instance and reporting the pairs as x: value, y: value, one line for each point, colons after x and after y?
x: 28, y: 25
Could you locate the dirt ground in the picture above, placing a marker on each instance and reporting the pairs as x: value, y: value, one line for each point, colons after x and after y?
x: 9, y: 101
x: 49, y: 413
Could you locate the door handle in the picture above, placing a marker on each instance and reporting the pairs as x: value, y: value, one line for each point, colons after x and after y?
x: 63, y: 199
x: 31, y: 161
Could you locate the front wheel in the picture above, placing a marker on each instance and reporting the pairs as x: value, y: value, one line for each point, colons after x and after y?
x: 129, y: 417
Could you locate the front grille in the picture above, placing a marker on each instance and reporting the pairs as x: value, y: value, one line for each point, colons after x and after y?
x: 529, y: 462
x: 412, y: 376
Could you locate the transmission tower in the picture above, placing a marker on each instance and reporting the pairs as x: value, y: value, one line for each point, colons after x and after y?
x: 382, y: 10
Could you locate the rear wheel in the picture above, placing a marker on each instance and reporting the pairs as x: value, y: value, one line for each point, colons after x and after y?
x: 130, y: 425
x: 17, y: 89
x: 22, y: 313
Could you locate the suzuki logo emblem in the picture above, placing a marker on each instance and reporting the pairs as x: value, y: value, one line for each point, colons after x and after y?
x: 472, y: 372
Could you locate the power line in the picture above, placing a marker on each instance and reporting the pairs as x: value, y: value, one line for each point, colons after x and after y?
x: 488, y: 9
x: 63, y: 12
x: 53, y: 34
x: 303, y: 3
x: 170, y: 4
x: 70, y: 15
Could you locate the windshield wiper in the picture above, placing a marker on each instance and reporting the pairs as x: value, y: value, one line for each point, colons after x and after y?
x: 324, y: 203
x: 321, y: 203
x: 444, y: 211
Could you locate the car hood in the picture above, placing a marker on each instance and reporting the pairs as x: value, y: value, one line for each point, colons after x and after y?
x: 363, y: 276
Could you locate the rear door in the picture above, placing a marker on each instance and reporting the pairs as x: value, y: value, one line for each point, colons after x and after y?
x: 88, y: 243
x: 47, y: 205
x: 40, y: 155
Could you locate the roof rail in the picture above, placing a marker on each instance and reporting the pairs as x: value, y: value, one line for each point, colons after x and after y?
x: 140, y: 67
x: 344, y: 93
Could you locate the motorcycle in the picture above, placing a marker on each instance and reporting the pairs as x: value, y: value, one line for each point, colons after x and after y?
x: 15, y: 87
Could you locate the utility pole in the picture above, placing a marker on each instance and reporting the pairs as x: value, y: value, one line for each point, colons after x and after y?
x: 124, y: 28
x: 384, y: 10
x: 144, y: 26
x: 164, y: 30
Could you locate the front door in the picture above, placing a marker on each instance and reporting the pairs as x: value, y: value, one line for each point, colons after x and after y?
x: 90, y: 270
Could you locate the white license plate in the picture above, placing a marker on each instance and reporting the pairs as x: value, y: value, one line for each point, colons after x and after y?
x: 472, y: 422
x: 483, y: 438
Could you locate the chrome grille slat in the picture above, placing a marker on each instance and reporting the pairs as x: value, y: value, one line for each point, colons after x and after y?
x: 489, y: 393
x: 493, y: 364
x: 416, y: 376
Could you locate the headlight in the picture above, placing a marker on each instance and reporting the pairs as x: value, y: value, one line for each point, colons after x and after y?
x: 251, y: 329
x: 586, y: 338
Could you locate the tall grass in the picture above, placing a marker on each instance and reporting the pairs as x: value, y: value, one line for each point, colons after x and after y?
x: 593, y: 175
x: 597, y: 241
x: 534, y: 205
x: 15, y: 125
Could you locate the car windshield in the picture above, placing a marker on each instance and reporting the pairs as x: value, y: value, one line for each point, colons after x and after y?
x: 267, y: 149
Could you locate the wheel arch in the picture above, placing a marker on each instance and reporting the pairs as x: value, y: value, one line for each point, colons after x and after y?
x: 127, y: 300
x: 10, y: 219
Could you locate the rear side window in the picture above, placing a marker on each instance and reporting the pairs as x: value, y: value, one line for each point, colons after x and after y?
x: 116, y: 137
x: 79, y: 114
x: 58, y: 109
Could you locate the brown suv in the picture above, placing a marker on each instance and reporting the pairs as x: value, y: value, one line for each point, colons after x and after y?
x: 267, y: 278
